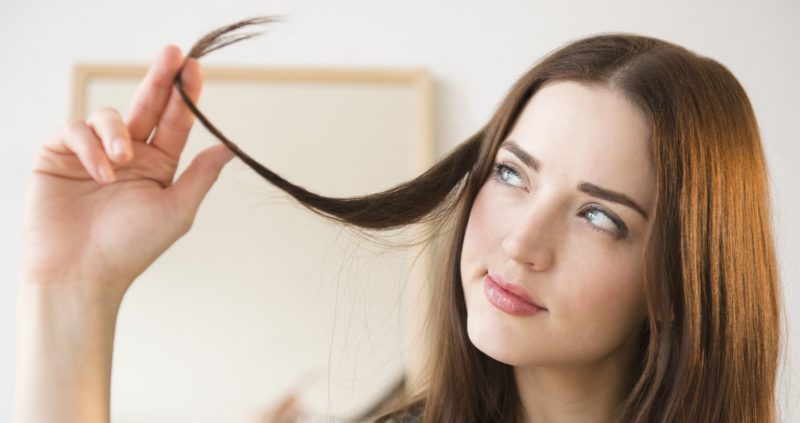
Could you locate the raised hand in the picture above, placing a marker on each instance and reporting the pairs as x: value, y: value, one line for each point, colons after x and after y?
x: 103, y: 203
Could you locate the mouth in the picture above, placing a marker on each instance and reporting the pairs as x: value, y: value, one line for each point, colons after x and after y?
x: 510, y: 298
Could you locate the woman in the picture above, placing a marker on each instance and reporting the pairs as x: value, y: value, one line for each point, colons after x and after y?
x: 611, y: 257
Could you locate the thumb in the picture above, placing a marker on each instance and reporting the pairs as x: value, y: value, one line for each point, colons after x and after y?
x: 196, y: 180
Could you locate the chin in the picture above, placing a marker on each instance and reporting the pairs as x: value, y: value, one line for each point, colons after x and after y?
x: 498, y: 340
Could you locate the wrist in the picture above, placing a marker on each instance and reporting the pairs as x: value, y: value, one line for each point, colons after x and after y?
x: 65, y: 344
x: 60, y: 294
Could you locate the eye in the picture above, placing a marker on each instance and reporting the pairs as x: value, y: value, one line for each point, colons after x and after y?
x: 601, y: 220
x: 506, y: 175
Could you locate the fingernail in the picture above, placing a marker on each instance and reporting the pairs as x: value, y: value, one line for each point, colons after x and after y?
x: 118, y: 148
x: 104, y: 174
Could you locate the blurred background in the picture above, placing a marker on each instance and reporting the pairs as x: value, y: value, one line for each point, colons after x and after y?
x: 472, y: 51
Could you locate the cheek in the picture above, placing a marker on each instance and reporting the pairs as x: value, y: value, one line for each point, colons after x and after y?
x: 595, y: 293
x: 478, y: 236
x: 474, y: 237
x: 602, y: 302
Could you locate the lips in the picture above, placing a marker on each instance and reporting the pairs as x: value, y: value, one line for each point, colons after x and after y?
x: 509, y: 298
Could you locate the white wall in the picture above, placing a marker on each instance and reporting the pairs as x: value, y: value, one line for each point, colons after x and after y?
x: 474, y: 52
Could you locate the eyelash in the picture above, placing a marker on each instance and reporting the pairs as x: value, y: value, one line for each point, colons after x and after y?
x: 497, y: 170
x: 622, y: 230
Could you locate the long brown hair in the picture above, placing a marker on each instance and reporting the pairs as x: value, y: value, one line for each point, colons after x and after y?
x: 710, y: 347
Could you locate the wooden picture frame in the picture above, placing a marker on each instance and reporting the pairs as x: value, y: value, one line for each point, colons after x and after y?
x: 262, y: 297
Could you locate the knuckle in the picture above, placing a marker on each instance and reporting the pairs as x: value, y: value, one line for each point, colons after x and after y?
x: 144, y: 108
x: 181, y: 125
x: 108, y: 124
x: 106, y: 111
x: 104, y: 116
x: 73, y: 126
x: 77, y: 136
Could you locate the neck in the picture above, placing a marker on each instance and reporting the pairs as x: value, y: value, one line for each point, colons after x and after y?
x: 587, y: 393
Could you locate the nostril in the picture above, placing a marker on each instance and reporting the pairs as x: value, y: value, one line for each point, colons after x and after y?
x: 533, y: 254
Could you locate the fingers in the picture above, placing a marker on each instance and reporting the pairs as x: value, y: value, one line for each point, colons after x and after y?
x: 102, y: 138
x: 77, y: 137
x: 114, y: 135
x: 172, y: 129
x: 152, y: 94
x: 158, y: 105
x: 106, y: 137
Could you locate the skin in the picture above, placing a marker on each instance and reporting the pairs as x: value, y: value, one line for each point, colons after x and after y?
x: 575, y: 360
x: 102, y: 233
x: 286, y: 410
x: 86, y: 238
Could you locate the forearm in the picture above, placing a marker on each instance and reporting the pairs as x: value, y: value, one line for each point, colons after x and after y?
x: 64, y: 351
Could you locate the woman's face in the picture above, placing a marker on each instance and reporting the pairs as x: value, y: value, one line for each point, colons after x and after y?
x: 552, y: 264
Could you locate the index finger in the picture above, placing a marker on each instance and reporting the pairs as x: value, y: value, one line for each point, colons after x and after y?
x: 152, y: 94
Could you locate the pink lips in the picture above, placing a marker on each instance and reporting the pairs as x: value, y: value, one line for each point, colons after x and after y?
x: 509, y: 298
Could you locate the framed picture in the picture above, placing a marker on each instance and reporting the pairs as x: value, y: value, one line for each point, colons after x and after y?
x: 263, y: 297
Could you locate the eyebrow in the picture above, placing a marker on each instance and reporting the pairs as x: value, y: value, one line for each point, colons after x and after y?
x: 521, y: 154
x: 588, y: 188
x: 613, y: 196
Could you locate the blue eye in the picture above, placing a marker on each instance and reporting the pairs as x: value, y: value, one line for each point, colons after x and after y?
x: 505, y: 175
x: 596, y: 217
x: 601, y: 220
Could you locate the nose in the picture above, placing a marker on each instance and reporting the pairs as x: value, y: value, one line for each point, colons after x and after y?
x: 531, y: 239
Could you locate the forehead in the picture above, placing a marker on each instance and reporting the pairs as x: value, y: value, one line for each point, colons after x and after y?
x: 588, y: 133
